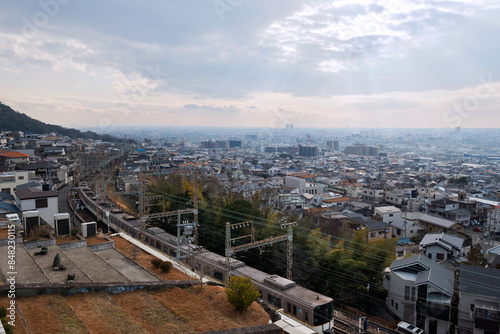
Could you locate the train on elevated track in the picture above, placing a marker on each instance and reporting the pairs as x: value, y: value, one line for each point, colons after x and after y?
x: 304, y: 305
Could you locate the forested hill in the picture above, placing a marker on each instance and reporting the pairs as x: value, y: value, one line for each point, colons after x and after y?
x: 11, y: 120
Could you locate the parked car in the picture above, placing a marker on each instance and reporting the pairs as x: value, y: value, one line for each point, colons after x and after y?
x: 477, y: 229
x: 404, y: 327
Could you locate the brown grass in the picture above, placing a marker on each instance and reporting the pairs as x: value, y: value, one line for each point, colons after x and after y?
x: 4, y: 233
x: 19, y: 326
x: 144, y: 259
x: 213, y: 311
x: 121, y: 202
x: 99, y: 239
x: 66, y: 239
x: 100, y: 315
x: 49, y: 314
x: 150, y: 313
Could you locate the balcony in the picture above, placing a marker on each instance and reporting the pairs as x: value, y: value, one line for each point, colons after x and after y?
x: 487, y: 316
x: 434, y: 310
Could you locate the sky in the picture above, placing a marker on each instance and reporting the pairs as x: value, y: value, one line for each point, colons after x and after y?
x: 242, y: 63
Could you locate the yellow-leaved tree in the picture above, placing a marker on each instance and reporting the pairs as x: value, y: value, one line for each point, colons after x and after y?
x: 241, y: 292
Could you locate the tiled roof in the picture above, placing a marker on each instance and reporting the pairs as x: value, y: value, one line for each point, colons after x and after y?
x: 29, y: 193
x: 479, y: 280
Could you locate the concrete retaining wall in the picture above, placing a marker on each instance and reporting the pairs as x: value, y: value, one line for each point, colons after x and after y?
x: 102, y: 246
x: 33, y: 289
x: 5, y: 242
x: 73, y: 245
x: 40, y: 243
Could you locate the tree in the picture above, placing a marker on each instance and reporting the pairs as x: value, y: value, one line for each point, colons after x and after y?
x: 475, y: 257
x: 241, y: 292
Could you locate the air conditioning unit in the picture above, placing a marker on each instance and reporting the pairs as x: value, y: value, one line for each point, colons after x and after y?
x: 62, y: 224
x: 31, y: 220
x: 89, y: 229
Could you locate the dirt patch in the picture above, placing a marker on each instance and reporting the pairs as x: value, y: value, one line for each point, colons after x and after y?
x: 19, y: 327
x: 4, y: 233
x: 49, y: 314
x: 213, y: 311
x: 150, y: 313
x: 144, y: 259
x: 99, y: 239
x: 101, y: 315
x: 66, y: 239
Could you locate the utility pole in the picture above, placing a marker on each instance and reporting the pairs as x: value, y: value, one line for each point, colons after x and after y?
x: 195, y: 205
x: 231, y: 250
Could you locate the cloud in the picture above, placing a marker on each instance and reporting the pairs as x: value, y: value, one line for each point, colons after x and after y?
x: 217, y: 109
x: 175, y: 58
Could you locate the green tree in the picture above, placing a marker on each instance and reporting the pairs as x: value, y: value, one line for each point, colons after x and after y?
x: 241, y: 292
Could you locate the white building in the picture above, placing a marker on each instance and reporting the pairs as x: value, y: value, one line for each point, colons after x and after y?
x: 303, y: 186
x: 9, y: 181
x: 419, y: 292
x: 388, y: 214
x: 45, y: 202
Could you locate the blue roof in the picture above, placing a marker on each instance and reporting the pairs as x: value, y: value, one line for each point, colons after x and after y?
x: 404, y: 241
x: 8, y: 207
x: 6, y: 196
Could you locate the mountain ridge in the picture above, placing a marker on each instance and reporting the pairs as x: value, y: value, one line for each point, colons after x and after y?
x: 12, y: 120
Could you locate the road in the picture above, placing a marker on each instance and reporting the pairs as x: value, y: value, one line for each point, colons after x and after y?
x: 63, y: 202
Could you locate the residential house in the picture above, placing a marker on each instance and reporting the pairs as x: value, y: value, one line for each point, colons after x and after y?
x: 9, y: 181
x: 387, y: 214
x: 372, y: 194
x: 44, y: 201
x: 479, y: 300
x: 441, y: 246
x: 404, y: 228
x: 419, y: 292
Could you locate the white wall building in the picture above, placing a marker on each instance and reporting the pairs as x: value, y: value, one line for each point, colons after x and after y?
x: 45, y: 202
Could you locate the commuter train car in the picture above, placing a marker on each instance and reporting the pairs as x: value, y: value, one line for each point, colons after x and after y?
x: 304, y: 305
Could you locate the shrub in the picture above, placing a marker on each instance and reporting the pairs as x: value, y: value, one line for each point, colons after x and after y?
x: 3, y: 312
x: 241, y: 292
x: 74, y: 231
x: 165, y: 266
x: 156, y: 262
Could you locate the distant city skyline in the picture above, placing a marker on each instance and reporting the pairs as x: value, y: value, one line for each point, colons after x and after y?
x: 222, y: 63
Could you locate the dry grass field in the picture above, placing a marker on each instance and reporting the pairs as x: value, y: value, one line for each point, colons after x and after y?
x: 100, y: 314
x: 49, y: 314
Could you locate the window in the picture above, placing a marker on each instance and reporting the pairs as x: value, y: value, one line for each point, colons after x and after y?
x: 440, y: 256
x: 274, y: 301
x: 307, y: 317
x: 392, y: 302
x: 413, y: 294
x: 373, y: 234
x: 390, y: 214
x: 20, y: 177
x: 294, y: 310
x: 6, y: 190
x: 397, y: 306
x: 407, y: 293
x: 41, y: 203
x: 289, y: 308
x: 380, y: 232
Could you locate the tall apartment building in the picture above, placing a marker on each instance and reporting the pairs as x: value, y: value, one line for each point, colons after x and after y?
x: 308, y: 151
x: 332, y: 145
x: 361, y: 149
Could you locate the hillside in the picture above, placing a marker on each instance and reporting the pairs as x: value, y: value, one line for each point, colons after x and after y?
x: 11, y: 120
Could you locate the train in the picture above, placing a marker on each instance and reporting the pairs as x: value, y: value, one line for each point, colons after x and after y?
x: 306, y: 306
